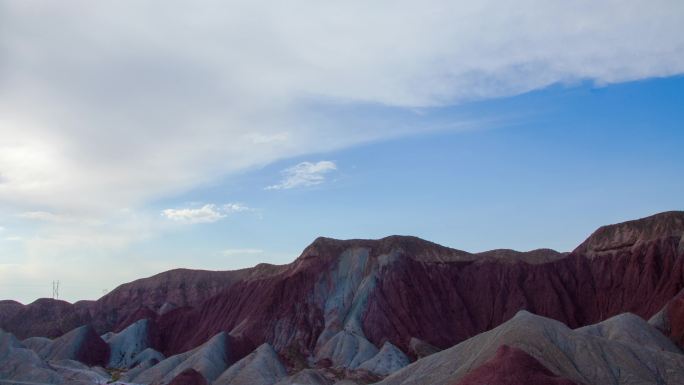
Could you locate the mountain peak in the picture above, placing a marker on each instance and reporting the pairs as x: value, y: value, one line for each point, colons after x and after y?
x: 413, y: 247
x: 627, y: 234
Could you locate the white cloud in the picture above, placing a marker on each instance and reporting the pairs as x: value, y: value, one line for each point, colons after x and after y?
x: 304, y: 174
x: 235, y: 208
x: 206, y: 214
x: 106, y: 105
x: 13, y: 238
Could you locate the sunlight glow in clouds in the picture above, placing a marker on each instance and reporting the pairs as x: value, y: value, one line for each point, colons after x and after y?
x: 99, y: 101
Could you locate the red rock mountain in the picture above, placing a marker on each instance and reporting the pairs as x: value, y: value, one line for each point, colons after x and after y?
x: 399, y: 288
x: 670, y: 320
x: 628, y: 235
x: 143, y: 298
x: 368, y: 292
x: 44, y: 317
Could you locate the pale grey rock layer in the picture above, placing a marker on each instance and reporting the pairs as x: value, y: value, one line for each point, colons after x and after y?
x: 65, y: 347
x: 631, y: 329
x: 388, y: 360
x: 209, y: 359
x: 580, y: 356
x: 19, y: 363
x: 261, y: 367
x: 131, y: 346
x: 347, y: 350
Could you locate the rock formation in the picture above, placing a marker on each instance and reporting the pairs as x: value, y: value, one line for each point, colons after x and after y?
x: 261, y: 367
x: 575, y: 355
x: 363, y: 309
x: 81, y: 344
x: 512, y: 366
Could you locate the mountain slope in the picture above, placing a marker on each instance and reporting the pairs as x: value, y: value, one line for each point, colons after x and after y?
x: 43, y: 318
x: 631, y: 329
x: 210, y: 360
x: 342, y: 300
x: 512, y: 366
x: 128, y: 303
x: 19, y: 363
x: 398, y: 288
x: 580, y: 357
x: 261, y: 367
x: 81, y: 344
x: 131, y: 346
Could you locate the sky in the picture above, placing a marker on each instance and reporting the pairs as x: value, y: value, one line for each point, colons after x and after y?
x: 141, y: 136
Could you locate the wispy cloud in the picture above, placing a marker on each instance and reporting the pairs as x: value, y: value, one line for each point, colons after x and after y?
x: 206, y: 214
x: 61, y: 219
x: 304, y: 174
x: 234, y: 208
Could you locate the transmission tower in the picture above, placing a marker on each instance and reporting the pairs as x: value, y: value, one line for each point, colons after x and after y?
x: 55, y: 289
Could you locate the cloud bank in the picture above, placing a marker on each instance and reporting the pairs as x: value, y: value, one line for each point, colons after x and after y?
x: 111, y: 104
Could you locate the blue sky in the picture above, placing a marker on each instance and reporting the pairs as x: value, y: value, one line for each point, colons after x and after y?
x: 552, y: 166
x: 130, y: 146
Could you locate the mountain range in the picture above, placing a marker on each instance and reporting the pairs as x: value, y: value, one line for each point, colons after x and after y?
x: 398, y: 310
